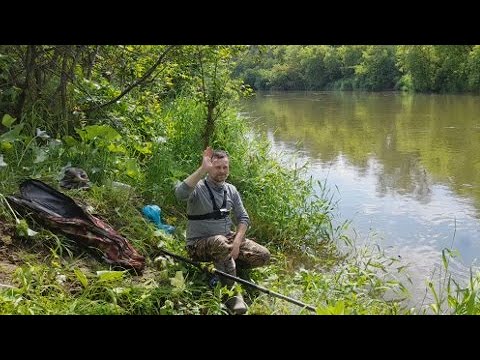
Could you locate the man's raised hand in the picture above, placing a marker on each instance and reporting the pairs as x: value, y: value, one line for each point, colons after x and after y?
x: 207, y: 159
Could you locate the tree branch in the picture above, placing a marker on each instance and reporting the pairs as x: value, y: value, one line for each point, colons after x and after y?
x: 136, y: 83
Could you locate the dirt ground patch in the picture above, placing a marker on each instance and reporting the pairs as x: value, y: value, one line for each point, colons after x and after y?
x: 9, y: 261
x: 7, y: 270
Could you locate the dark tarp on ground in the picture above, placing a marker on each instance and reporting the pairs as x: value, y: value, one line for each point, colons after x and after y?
x: 61, y: 214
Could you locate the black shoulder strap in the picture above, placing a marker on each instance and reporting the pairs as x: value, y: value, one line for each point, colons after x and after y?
x: 216, y: 214
x: 224, y: 203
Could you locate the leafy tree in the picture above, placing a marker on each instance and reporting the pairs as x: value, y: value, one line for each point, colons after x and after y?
x: 377, y: 69
x: 213, y: 85
x: 451, y: 75
x: 418, y: 63
x: 473, y: 69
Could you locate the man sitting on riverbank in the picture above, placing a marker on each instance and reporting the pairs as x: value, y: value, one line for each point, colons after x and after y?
x: 209, y: 228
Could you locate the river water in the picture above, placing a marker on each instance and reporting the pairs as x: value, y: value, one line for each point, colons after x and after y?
x: 405, y: 168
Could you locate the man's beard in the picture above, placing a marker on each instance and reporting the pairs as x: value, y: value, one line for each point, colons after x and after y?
x: 219, y: 178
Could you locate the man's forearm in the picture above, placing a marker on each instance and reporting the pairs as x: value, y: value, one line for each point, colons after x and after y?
x: 185, y: 188
x: 195, y: 177
x: 240, y: 235
x: 237, y: 241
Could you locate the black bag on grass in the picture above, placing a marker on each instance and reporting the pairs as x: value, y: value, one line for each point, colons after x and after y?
x: 60, y: 213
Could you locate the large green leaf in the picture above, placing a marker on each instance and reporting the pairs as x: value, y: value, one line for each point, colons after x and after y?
x: 13, y: 134
x: 8, y: 120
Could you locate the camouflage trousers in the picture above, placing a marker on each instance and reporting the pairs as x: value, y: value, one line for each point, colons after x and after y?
x: 218, y: 248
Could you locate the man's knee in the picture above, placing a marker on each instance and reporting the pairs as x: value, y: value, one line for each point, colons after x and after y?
x: 220, y: 248
x: 214, y: 248
x: 264, y: 257
x: 257, y: 259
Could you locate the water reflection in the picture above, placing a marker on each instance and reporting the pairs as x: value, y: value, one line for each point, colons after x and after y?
x: 405, y: 165
x: 416, y: 139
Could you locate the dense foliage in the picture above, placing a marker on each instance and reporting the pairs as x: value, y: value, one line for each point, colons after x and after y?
x: 419, y: 68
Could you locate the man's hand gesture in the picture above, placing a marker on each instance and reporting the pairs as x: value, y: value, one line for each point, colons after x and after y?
x: 207, y: 159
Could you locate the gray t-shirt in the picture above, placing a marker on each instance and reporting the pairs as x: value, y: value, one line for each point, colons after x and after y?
x: 199, y: 203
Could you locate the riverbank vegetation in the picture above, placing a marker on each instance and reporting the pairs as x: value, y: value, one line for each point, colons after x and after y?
x: 136, y: 119
x: 417, y: 68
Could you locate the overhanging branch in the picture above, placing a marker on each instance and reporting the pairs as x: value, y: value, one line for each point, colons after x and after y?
x: 134, y: 84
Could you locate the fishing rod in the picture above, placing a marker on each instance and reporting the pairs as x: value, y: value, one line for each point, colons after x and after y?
x: 237, y: 279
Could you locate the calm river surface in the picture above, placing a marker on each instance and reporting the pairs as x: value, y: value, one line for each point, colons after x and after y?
x: 407, y: 168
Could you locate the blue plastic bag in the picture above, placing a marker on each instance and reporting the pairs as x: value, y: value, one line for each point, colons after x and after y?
x: 153, y: 213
